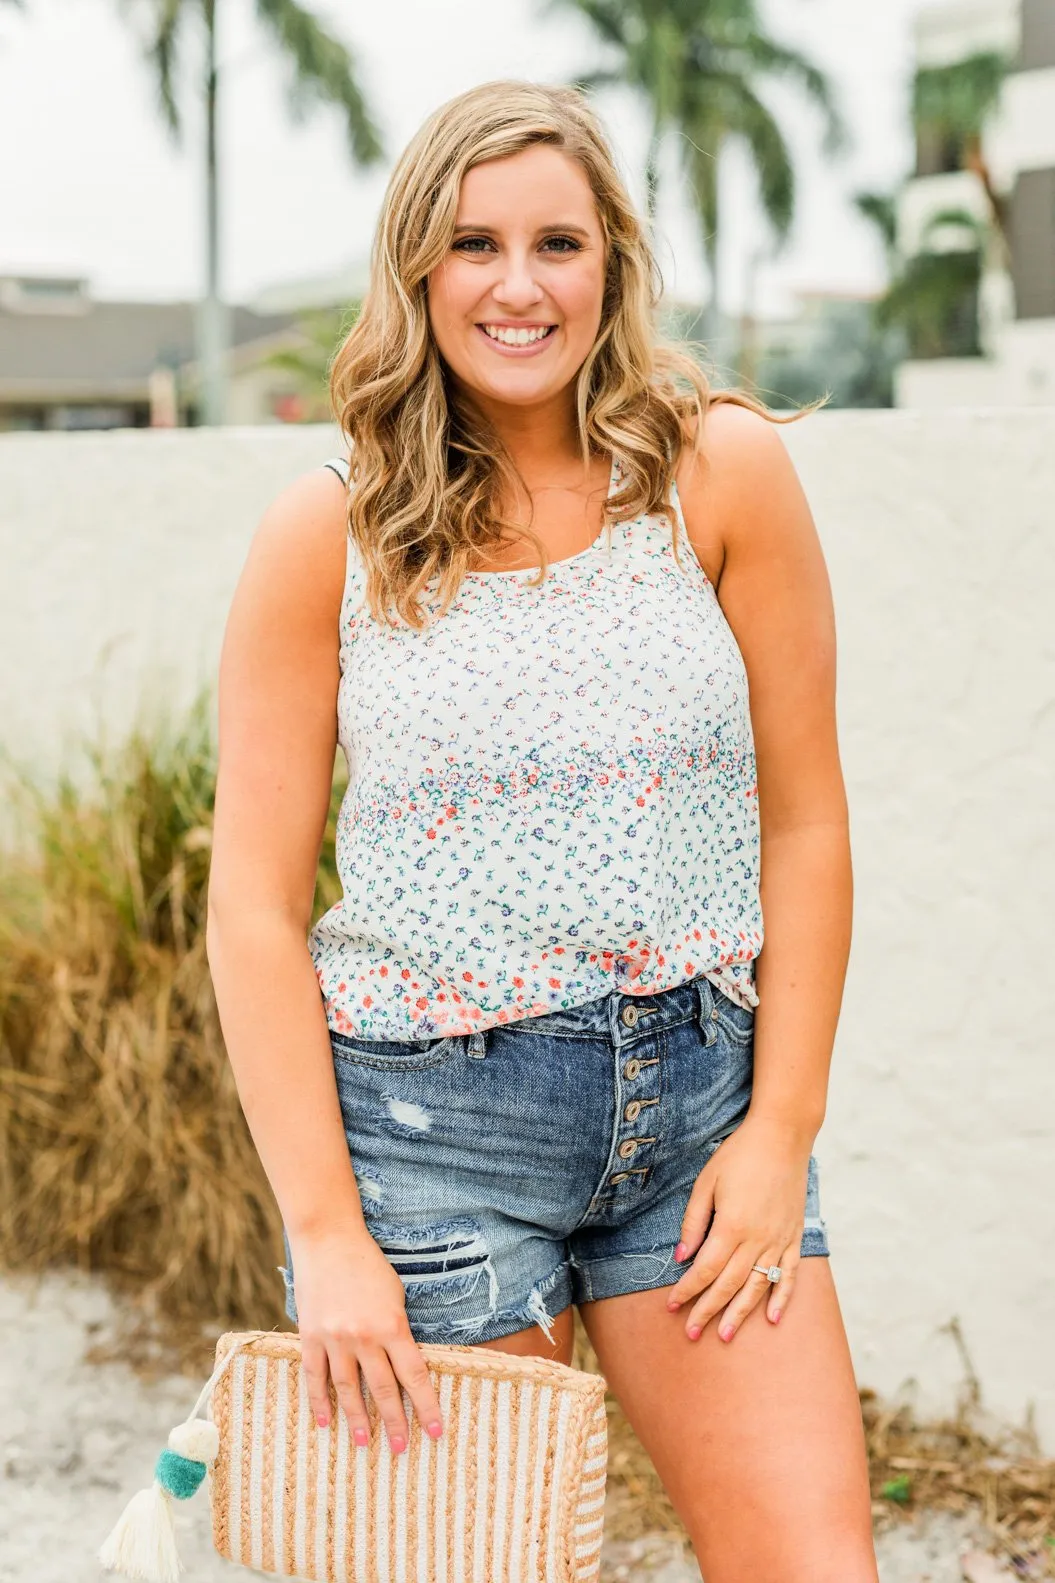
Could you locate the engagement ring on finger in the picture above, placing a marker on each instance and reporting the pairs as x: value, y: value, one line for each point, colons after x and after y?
x: 772, y: 1274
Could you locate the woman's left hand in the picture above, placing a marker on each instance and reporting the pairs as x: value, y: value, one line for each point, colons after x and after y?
x: 755, y: 1183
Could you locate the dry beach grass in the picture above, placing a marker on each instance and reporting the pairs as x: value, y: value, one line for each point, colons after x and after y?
x: 121, y: 1133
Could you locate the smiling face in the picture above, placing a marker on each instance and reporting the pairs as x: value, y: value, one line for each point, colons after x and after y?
x: 515, y: 305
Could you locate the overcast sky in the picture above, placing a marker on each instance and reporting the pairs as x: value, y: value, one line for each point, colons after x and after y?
x: 90, y: 183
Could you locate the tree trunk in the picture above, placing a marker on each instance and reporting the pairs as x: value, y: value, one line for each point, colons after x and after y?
x: 711, y: 222
x: 212, y: 326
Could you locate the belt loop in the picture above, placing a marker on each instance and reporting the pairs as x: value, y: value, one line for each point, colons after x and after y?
x: 478, y: 1044
x: 706, y: 999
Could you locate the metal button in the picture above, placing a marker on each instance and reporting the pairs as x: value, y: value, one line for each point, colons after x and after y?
x: 627, y: 1149
x: 632, y: 1111
x: 632, y: 1069
x: 630, y: 1016
x: 714, y: 1013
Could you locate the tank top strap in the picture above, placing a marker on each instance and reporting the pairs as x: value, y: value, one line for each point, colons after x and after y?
x: 658, y: 531
x: 338, y: 465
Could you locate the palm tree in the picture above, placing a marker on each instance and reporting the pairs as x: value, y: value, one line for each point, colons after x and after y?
x: 934, y: 295
x: 698, y: 63
x: 323, y: 72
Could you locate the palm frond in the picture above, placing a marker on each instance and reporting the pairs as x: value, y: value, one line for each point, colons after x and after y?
x: 609, y: 18
x: 781, y: 61
x: 324, y: 72
x: 963, y: 220
x: 744, y: 115
x: 164, y: 53
x: 159, y: 25
x: 881, y: 209
x: 956, y: 99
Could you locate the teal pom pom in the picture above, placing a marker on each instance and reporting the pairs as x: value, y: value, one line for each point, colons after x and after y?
x: 179, y: 1475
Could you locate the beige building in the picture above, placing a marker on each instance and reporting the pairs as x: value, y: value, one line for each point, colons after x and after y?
x: 70, y: 361
x: 1016, y: 296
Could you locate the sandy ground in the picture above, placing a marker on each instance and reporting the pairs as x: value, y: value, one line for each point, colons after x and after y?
x: 78, y: 1438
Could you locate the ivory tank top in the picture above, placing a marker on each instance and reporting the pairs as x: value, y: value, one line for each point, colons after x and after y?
x: 551, y: 795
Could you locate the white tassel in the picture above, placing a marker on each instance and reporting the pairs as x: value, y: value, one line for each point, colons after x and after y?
x: 143, y: 1541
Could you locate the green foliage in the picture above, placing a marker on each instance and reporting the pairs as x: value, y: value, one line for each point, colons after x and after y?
x: 954, y: 101
x: 322, y: 68
x: 699, y: 69
x: 899, y: 1489
x: 848, y: 357
x: 323, y: 331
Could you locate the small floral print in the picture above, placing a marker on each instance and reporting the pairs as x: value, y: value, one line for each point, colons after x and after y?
x: 552, y: 795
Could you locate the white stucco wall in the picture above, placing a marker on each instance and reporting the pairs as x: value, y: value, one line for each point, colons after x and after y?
x: 936, y: 1157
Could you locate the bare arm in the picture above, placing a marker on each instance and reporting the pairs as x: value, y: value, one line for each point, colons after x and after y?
x: 748, y: 514
x: 775, y: 593
x: 279, y: 674
x: 277, y: 706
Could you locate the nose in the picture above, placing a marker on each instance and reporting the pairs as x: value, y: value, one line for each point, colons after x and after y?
x: 517, y: 286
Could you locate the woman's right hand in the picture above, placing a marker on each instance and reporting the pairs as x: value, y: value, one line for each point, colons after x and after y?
x: 351, y: 1313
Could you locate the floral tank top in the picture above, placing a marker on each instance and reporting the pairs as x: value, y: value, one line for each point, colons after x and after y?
x: 552, y: 795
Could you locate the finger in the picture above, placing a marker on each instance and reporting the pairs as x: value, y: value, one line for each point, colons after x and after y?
x: 697, y: 1218
x: 717, y: 1295
x: 384, y: 1387
x: 708, y: 1264
x: 755, y: 1287
x: 344, y: 1371
x: 782, y: 1289
x: 315, y: 1367
x: 411, y: 1369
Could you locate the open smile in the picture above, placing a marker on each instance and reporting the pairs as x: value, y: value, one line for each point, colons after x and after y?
x: 518, y: 349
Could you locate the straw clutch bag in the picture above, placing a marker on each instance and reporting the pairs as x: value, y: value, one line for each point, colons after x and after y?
x: 512, y: 1491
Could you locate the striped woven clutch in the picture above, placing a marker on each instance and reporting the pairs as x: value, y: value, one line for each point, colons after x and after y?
x: 512, y: 1491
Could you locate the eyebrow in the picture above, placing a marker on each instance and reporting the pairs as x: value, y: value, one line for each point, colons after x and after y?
x: 558, y: 225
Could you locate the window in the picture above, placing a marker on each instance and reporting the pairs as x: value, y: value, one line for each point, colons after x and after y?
x: 1033, y: 243
x: 1038, y: 34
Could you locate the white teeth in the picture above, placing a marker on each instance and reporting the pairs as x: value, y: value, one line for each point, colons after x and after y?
x: 511, y: 337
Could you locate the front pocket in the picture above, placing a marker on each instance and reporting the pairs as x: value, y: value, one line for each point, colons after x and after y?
x: 735, y: 1020
x: 406, y: 1055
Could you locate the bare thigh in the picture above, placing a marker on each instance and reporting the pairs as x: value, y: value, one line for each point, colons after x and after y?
x: 758, y: 1441
x: 532, y: 1343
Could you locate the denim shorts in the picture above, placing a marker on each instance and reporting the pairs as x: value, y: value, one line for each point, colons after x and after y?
x: 508, y: 1173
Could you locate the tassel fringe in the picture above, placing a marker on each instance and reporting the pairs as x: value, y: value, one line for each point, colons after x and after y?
x: 143, y: 1542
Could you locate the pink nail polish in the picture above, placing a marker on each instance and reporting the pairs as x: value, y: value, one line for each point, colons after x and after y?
x: 680, y: 1252
x: 726, y: 1332
x: 321, y: 1420
x: 398, y: 1444
x: 360, y: 1437
x: 673, y: 1304
x: 694, y: 1332
x: 435, y: 1430
x: 776, y: 1316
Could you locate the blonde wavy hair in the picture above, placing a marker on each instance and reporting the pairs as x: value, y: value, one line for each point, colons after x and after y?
x: 427, y: 469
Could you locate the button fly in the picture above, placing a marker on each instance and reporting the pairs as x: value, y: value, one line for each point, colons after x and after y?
x: 632, y: 1069
x: 630, y: 1016
x: 632, y: 1111
x: 627, y: 1149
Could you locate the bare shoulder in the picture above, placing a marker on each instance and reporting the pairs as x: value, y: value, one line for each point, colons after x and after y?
x: 740, y: 489
x: 278, y: 681
x: 298, y: 552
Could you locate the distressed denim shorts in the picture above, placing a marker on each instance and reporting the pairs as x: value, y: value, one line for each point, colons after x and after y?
x: 510, y: 1172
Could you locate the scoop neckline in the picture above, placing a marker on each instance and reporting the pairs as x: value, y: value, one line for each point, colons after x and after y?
x: 529, y: 571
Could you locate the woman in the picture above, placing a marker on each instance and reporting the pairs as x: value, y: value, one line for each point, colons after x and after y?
x: 536, y: 1057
